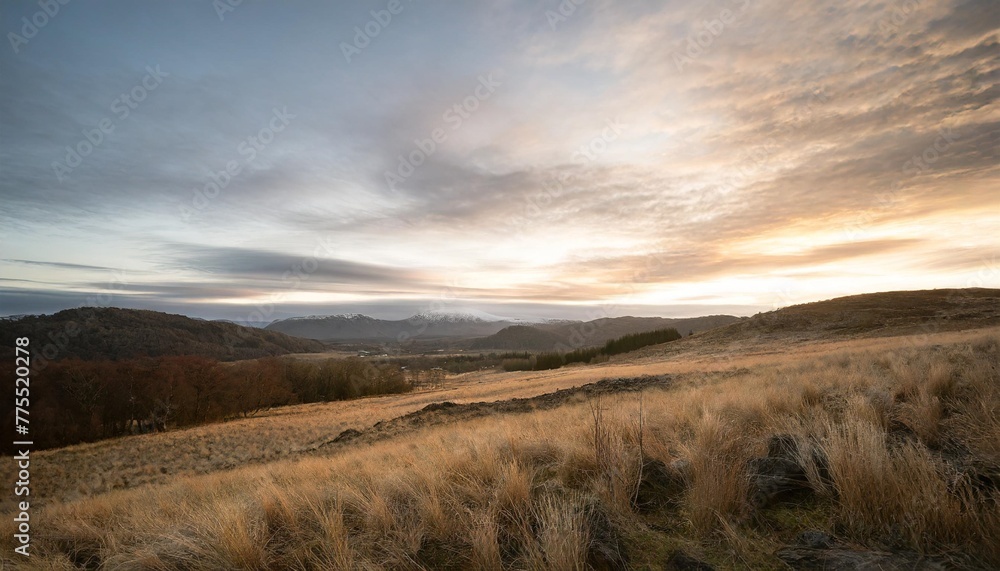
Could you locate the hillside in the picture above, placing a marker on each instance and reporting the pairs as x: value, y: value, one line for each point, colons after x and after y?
x: 354, y: 327
x: 518, y: 338
x: 875, y: 314
x: 112, y: 333
x: 575, y: 334
x: 846, y: 453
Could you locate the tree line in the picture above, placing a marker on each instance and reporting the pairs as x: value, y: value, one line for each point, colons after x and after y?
x: 623, y: 344
x: 76, y: 401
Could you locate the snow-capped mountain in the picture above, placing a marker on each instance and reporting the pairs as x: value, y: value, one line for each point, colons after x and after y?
x: 339, y: 316
x: 458, y: 315
x: 428, y: 324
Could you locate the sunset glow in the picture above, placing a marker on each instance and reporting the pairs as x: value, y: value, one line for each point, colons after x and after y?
x: 494, y: 157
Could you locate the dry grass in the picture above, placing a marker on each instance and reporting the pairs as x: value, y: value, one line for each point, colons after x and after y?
x: 905, y: 429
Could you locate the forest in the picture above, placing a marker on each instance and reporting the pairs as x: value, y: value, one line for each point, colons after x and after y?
x: 76, y: 401
x: 584, y: 355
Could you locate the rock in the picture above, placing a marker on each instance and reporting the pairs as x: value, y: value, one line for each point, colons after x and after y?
x: 776, y: 479
x: 815, y: 539
x: 607, y: 551
x: 818, y: 550
x: 661, y: 486
x: 349, y: 434
x: 682, y: 467
x: 783, y: 446
x: 680, y: 561
x: 439, y: 406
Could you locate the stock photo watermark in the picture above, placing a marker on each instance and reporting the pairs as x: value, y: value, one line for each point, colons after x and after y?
x: 563, y: 12
x: 698, y: 42
x: 453, y: 118
x: 32, y: 25
x: 223, y: 7
x: 918, y: 164
x: 599, y: 144
x: 900, y: 13
x: 122, y: 106
x: 365, y: 34
x: 56, y: 342
x: 535, y: 203
x: 248, y: 148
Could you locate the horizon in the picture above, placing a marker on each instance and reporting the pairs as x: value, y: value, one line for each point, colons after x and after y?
x: 446, y: 311
x: 565, y: 160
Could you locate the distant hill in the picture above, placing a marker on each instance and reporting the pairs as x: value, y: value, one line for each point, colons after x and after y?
x: 518, y: 338
x: 354, y: 327
x: 866, y: 315
x: 892, y: 312
x: 112, y: 333
x: 575, y: 334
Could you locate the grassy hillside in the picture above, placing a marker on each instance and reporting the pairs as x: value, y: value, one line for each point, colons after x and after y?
x: 110, y: 333
x: 925, y: 311
x: 566, y: 336
x: 518, y: 338
x: 894, y: 454
x: 846, y: 449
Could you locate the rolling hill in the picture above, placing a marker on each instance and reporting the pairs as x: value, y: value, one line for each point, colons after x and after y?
x: 518, y: 338
x: 111, y: 333
x: 479, y: 331
x: 875, y: 314
x: 575, y: 334
x: 355, y: 327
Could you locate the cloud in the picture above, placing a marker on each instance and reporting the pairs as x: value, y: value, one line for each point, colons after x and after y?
x: 815, y: 129
x: 270, y: 269
x: 59, y: 265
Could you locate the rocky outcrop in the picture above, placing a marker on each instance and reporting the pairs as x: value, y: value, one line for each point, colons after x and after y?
x: 662, y: 485
x: 818, y: 550
x: 780, y: 476
x: 680, y: 561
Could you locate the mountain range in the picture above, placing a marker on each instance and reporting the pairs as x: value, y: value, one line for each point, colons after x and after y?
x: 93, y: 333
x: 481, y: 331
x: 113, y: 333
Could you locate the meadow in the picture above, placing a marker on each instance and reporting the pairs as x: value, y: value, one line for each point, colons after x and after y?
x: 898, y: 438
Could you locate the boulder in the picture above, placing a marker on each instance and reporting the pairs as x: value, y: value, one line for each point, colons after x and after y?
x: 780, y: 476
x: 607, y: 550
x: 774, y: 480
x: 680, y: 561
x: 661, y: 486
x: 814, y: 550
x: 349, y: 434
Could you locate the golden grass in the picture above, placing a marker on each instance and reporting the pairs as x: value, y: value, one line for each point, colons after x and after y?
x: 901, y: 425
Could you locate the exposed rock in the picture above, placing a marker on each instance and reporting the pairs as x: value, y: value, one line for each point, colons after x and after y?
x: 818, y: 550
x: 815, y: 539
x: 682, y: 467
x: 783, y: 446
x: 439, y: 406
x: 346, y: 435
x: 680, y: 561
x: 607, y: 551
x: 776, y: 479
x: 661, y: 486
x: 447, y: 411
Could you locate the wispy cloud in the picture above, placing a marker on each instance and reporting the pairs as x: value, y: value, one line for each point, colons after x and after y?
x: 830, y: 147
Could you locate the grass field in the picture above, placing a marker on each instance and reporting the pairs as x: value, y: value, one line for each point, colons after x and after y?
x: 908, y: 428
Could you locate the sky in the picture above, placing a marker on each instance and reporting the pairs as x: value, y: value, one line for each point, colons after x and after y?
x: 577, y: 158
